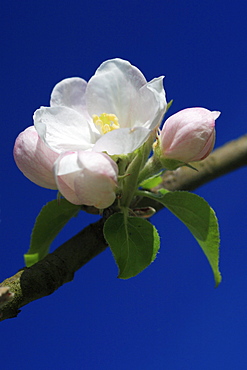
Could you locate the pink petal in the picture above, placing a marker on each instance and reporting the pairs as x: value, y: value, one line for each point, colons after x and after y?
x: 35, y: 159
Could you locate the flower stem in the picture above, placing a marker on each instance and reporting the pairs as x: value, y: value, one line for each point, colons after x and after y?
x: 131, y: 182
x: 151, y: 168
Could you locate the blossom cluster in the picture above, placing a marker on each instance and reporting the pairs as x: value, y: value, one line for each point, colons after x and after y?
x: 74, y: 145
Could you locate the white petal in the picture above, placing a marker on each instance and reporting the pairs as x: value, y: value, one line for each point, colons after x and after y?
x: 63, y: 129
x: 87, y: 178
x: 66, y: 170
x: 99, y: 163
x: 97, y: 182
x: 95, y: 190
x: 122, y: 141
x: 150, y: 105
x: 114, y: 89
x: 66, y: 163
x: 157, y: 88
x: 215, y: 114
x: 70, y: 93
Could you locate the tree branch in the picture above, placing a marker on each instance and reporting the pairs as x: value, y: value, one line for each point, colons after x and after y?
x: 227, y: 158
x: 59, y: 267
x: 54, y: 270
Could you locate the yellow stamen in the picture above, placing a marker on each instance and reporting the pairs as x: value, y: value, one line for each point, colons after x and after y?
x: 106, y: 122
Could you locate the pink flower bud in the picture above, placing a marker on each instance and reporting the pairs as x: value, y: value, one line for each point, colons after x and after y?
x: 189, y: 135
x: 88, y: 178
x: 35, y: 159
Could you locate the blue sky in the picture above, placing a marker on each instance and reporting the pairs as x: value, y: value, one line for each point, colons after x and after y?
x: 170, y: 316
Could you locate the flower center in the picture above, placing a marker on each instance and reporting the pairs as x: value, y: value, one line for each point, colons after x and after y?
x: 106, y: 122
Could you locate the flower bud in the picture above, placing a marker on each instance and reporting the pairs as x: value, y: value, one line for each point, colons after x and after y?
x: 35, y: 159
x: 88, y: 178
x: 188, y: 135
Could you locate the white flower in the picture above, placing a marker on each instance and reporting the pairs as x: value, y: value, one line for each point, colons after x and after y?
x: 114, y: 112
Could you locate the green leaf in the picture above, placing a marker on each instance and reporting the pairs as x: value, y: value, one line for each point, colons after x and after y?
x: 134, y: 243
x: 50, y: 221
x: 152, y: 182
x: 200, y: 219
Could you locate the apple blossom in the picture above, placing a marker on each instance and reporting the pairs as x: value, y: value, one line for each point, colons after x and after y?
x: 188, y: 135
x: 88, y: 178
x: 114, y: 112
x: 35, y: 159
